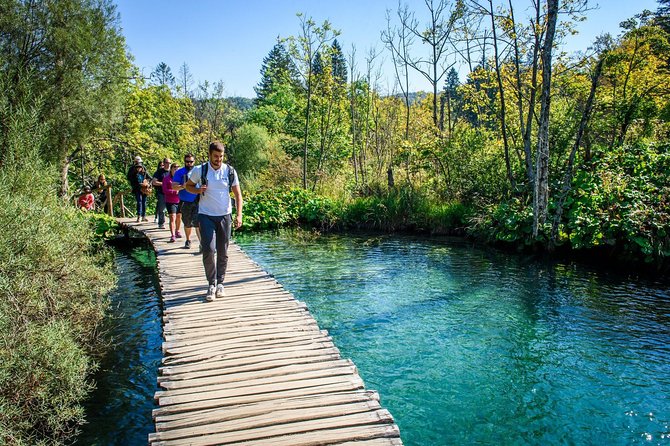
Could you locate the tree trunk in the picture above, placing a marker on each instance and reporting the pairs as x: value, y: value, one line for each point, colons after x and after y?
x: 353, y: 125
x: 541, y: 190
x: 64, y: 186
x: 503, y: 125
x: 517, y: 69
x: 304, y: 153
x: 567, y: 180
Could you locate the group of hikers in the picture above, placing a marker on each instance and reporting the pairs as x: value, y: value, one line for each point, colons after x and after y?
x: 195, y: 197
x: 88, y: 202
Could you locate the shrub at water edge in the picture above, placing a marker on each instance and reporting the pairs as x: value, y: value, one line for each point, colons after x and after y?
x: 53, y: 283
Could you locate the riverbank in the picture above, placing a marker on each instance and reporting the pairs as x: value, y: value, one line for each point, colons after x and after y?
x: 506, y: 226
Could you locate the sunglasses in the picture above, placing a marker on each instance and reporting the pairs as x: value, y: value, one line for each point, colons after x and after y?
x: 188, y: 162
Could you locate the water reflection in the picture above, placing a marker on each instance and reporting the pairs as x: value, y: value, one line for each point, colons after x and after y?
x: 119, y: 411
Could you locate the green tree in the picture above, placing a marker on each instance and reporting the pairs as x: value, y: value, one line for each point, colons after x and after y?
x: 156, y: 124
x: 303, y: 49
x: 248, y: 149
x: 277, y: 69
x: 67, y: 60
x: 663, y: 15
x: 162, y: 75
x: 338, y: 63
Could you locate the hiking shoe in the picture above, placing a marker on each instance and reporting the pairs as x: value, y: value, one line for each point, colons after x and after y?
x: 177, y: 234
x: 172, y: 240
x: 161, y: 226
x: 145, y: 219
x: 187, y: 245
x: 211, y: 293
x: 138, y: 219
x: 220, y: 292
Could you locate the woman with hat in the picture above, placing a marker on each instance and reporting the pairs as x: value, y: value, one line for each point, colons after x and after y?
x: 138, y: 179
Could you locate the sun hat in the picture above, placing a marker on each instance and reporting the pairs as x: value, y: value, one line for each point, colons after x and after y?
x: 138, y: 159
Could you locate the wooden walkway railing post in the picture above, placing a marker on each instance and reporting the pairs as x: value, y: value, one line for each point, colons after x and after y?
x: 253, y: 367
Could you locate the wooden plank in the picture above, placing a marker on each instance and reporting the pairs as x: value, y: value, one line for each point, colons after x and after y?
x: 197, y: 418
x: 205, y: 337
x: 225, y: 402
x: 245, y: 353
x: 270, y: 418
x: 260, y: 362
x: 265, y: 325
x: 229, y: 344
x: 329, y: 429
x: 231, y: 391
x: 237, y: 381
x: 355, y: 435
x: 226, y: 376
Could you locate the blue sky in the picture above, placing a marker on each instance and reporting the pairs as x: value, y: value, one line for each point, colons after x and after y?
x: 227, y: 40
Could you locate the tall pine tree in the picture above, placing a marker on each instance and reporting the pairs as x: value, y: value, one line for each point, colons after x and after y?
x: 663, y: 15
x: 339, y: 63
x: 317, y: 65
x: 162, y: 75
x: 278, y: 68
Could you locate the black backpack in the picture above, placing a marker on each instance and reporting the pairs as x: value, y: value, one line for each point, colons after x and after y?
x: 204, y: 167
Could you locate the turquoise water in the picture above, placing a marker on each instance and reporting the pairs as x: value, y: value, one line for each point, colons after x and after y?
x: 119, y: 410
x: 470, y: 346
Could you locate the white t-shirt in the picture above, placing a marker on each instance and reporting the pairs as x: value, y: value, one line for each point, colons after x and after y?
x: 216, y: 201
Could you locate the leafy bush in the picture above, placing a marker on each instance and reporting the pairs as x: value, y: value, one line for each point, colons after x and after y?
x: 103, y: 225
x: 399, y: 209
x: 403, y: 209
x: 443, y: 218
x: 53, y: 281
x: 274, y: 209
x: 621, y: 202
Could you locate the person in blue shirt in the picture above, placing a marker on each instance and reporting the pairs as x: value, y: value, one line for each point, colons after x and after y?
x: 188, y: 206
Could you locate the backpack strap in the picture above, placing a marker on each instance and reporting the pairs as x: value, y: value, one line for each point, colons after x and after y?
x: 203, y: 173
x: 203, y: 178
x: 231, y: 177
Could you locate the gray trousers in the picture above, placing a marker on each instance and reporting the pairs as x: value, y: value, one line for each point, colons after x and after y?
x: 160, y: 208
x: 219, y: 226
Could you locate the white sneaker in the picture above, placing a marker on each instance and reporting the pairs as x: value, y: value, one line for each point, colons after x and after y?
x: 220, y: 292
x: 211, y: 293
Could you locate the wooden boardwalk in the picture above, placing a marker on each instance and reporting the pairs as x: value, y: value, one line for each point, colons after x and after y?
x: 252, y: 368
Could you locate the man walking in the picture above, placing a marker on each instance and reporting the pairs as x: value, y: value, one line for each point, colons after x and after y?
x: 162, y: 171
x: 188, y: 207
x: 214, y: 214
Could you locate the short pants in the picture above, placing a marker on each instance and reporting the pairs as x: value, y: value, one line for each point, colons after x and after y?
x: 189, y: 213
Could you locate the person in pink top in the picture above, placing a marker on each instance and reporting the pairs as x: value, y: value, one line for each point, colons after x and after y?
x: 172, y: 203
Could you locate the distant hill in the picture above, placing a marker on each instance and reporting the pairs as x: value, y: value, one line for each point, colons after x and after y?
x: 414, y: 96
x: 240, y: 103
x: 245, y: 104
